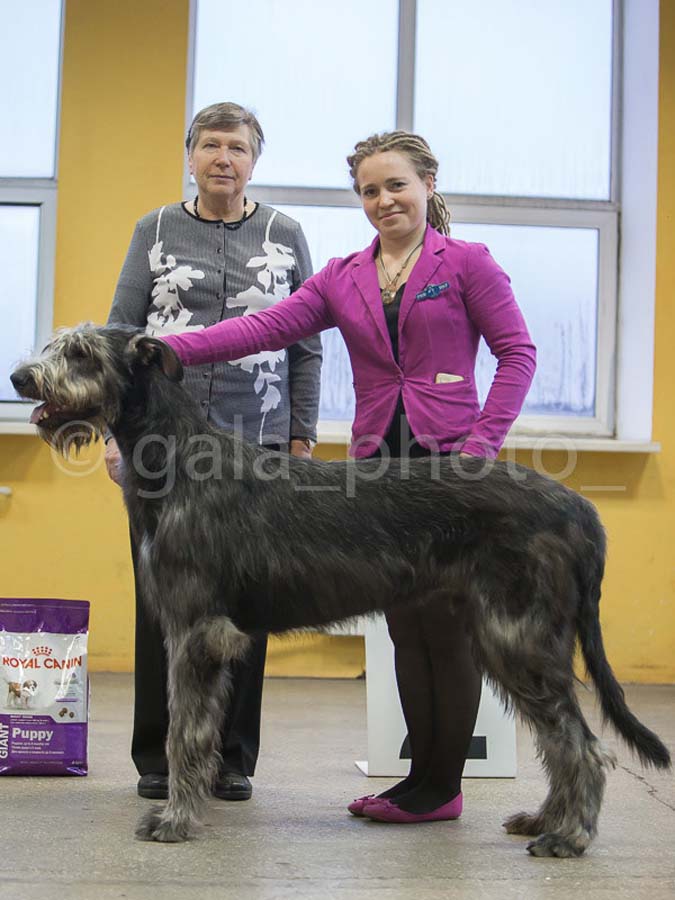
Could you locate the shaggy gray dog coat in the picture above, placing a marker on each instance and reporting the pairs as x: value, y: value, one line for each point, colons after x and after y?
x: 236, y: 540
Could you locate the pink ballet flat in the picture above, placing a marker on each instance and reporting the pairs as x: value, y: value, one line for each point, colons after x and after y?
x: 356, y: 806
x: 386, y: 811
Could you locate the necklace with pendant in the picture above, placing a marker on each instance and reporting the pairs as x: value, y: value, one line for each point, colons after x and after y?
x: 389, y: 291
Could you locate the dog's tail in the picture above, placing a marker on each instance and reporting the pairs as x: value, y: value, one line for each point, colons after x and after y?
x: 644, y: 742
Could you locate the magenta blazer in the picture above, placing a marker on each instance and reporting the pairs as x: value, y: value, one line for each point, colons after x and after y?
x: 455, y: 293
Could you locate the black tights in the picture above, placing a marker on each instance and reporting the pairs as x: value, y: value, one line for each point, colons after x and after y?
x: 439, y: 687
x: 438, y: 682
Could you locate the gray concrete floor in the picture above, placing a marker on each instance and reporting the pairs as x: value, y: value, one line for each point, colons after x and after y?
x: 73, y: 837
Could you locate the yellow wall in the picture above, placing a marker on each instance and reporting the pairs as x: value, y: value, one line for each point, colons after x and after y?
x: 123, y: 103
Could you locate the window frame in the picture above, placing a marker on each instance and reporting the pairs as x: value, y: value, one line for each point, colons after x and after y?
x: 624, y: 352
x: 40, y: 192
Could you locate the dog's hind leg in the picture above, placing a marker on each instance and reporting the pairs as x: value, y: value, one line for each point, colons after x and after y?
x: 535, y: 671
x: 575, y: 764
x: 199, y: 683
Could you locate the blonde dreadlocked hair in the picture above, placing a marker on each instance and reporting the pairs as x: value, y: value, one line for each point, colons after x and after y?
x: 424, y: 162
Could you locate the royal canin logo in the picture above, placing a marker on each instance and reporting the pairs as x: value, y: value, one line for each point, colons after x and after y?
x: 42, y: 662
x: 42, y: 651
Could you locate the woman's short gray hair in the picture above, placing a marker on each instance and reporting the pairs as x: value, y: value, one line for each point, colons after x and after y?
x: 225, y: 117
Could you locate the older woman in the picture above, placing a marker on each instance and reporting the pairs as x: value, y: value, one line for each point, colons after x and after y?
x: 189, y: 266
x: 411, y: 307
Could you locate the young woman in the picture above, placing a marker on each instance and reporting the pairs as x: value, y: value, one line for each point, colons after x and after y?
x: 412, y: 308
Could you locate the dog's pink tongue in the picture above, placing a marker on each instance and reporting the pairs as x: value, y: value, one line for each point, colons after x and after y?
x: 37, y: 412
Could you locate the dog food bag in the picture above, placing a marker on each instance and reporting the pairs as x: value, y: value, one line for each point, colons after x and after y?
x: 44, y: 692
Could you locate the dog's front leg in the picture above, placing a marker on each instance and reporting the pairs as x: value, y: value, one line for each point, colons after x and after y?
x: 198, y: 693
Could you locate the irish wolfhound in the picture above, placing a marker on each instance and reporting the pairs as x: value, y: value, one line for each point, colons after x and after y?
x: 236, y: 540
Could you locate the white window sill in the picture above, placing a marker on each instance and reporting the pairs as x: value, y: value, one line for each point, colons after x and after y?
x: 340, y: 432
x: 9, y: 427
x: 586, y: 444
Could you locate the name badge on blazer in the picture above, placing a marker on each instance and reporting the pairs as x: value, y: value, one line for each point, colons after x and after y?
x: 431, y: 291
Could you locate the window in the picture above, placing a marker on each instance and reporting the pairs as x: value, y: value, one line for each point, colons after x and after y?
x: 514, y: 118
x: 527, y: 133
x: 322, y: 55
x: 30, y: 52
x: 19, y: 251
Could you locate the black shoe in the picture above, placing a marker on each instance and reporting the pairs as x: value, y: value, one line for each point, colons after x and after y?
x: 229, y: 786
x: 153, y: 787
x: 232, y: 786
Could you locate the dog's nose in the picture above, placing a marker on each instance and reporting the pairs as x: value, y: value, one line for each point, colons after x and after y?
x: 19, y: 379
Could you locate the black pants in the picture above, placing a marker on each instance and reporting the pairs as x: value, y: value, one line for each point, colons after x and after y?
x: 240, y: 734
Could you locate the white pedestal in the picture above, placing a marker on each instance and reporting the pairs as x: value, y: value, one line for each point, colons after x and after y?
x: 494, y: 744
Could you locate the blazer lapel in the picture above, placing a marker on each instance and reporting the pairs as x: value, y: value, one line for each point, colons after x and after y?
x: 364, y: 273
x: 423, y: 273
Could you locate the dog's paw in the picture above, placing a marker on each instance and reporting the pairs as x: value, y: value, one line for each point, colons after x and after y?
x: 154, y: 827
x: 557, y: 845
x: 524, y: 823
x: 148, y: 823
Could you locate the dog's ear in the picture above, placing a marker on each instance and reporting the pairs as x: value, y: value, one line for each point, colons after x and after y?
x: 149, y: 351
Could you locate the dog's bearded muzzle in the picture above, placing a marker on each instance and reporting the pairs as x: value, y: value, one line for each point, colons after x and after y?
x: 62, y: 422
